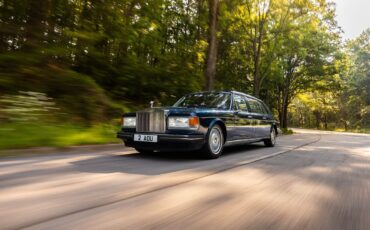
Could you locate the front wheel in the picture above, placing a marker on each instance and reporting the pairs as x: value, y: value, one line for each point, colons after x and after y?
x: 272, y: 140
x: 214, y: 143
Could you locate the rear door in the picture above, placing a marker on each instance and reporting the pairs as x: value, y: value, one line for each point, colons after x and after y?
x: 244, y: 122
x: 261, y: 118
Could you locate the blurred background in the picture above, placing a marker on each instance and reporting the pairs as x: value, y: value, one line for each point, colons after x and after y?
x: 70, y: 68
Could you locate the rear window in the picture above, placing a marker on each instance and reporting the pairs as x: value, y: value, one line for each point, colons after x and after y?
x: 256, y: 106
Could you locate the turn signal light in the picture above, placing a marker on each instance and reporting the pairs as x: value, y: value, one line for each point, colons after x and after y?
x: 194, y: 122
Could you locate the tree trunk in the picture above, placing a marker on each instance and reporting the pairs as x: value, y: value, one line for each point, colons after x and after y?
x: 256, y: 59
x: 124, y: 44
x: 210, y: 72
x: 36, y: 26
x: 284, y: 123
x: 345, y: 125
x: 284, y: 109
x: 318, y: 117
x: 256, y: 79
x: 301, y: 119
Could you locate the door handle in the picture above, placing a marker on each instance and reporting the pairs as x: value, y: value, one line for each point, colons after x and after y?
x: 249, y: 116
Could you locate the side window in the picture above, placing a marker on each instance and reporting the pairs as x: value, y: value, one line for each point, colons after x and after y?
x: 263, y: 108
x: 256, y: 106
x: 266, y: 108
x: 240, y: 103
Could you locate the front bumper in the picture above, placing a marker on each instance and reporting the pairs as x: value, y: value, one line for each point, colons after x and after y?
x: 166, y: 142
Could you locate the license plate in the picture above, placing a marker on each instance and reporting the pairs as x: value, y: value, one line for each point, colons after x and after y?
x: 146, y: 138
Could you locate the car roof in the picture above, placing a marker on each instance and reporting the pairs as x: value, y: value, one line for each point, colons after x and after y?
x: 228, y: 91
x: 247, y: 95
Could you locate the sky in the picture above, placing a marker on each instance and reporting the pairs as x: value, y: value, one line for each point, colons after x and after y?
x: 353, y: 16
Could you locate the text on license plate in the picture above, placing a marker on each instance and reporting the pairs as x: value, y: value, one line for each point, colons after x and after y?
x: 145, y: 138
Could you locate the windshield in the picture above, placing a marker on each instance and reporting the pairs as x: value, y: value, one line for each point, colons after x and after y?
x: 205, y: 100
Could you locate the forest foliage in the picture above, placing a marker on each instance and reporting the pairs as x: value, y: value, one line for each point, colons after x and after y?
x: 94, y: 59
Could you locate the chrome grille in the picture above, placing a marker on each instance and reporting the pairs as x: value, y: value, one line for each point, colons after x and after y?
x: 151, y: 121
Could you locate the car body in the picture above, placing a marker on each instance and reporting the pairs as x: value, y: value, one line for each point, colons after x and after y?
x: 205, y: 121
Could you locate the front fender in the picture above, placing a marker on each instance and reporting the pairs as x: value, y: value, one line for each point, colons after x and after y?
x: 216, y: 120
x: 221, y: 123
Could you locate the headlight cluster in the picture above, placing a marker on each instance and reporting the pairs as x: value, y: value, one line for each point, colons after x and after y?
x: 129, y: 122
x: 183, y: 122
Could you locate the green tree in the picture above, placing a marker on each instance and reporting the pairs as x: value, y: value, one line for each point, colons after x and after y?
x: 211, y: 61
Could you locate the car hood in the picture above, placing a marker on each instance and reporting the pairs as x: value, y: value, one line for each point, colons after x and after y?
x: 178, y: 111
x: 182, y: 111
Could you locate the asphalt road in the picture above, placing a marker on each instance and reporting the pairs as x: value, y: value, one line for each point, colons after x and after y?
x: 311, y: 180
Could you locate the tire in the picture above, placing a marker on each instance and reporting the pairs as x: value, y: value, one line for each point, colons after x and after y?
x: 272, y: 140
x: 214, y: 143
x: 144, y: 151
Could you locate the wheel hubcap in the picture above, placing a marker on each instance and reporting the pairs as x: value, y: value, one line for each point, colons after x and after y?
x: 215, y: 140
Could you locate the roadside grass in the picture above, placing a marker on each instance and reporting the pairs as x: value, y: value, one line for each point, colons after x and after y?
x: 360, y: 130
x: 287, y: 131
x: 26, y: 135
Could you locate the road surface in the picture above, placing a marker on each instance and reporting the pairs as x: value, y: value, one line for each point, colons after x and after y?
x: 310, y: 180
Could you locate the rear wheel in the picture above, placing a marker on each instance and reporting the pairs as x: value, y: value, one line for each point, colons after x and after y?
x: 272, y: 140
x: 215, y: 143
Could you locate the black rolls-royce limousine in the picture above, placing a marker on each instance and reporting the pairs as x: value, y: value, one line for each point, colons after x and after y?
x: 205, y: 121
